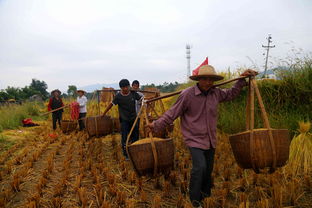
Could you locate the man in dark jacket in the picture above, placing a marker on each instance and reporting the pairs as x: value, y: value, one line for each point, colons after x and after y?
x: 54, y: 103
x: 126, y: 100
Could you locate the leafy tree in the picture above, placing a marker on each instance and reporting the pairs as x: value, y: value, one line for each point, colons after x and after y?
x: 40, y: 86
x: 36, y: 87
x: 165, y: 87
x: 72, y: 90
x: 64, y: 95
x: 13, y: 92
x: 4, y: 95
x: 27, y: 92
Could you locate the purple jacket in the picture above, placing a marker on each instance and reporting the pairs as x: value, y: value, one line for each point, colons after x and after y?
x: 198, y: 114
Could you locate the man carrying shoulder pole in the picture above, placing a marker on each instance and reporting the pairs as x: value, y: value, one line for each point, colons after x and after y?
x: 197, y: 107
x: 126, y: 100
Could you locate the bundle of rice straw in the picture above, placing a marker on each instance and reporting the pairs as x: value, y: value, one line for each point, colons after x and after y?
x: 147, y: 140
x: 300, y: 157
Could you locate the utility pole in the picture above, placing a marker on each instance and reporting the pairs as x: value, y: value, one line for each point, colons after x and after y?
x: 267, y: 48
x: 188, y: 61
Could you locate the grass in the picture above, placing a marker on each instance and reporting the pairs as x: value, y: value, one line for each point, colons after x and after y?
x: 11, y: 118
x: 12, y: 115
x: 287, y: 100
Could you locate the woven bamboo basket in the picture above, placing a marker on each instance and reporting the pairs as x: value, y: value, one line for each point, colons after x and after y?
x: 99, y: 125
x: 150, y: 156
x: 259, y: 148
x: 68, y: 126
x: 142, y: 157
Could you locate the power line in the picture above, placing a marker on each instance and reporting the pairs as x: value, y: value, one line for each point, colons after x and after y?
x: 267, y: 47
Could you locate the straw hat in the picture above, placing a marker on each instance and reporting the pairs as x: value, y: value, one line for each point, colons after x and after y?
x: 57, y: 90
x: 206, y: 71
x: 84, y: 92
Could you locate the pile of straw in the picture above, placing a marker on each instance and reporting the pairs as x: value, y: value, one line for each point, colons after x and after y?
x: 147, y: 140
x: 300, y: 157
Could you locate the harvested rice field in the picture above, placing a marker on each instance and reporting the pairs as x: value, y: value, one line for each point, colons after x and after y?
x: 72, y: 170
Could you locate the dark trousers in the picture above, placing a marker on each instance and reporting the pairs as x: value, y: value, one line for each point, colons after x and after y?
x: 125, y: 130
x: 56, y: 117
x: 81, y: 122
x: 201, y: 182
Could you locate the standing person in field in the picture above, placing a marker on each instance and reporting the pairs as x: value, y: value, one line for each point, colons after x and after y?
x: 54, y: 103
x: 138, y: 103
x: 125, y: 99
x: 82, y: 100
x: 197, y: 107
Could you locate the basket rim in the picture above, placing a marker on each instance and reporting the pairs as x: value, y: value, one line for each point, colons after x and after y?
x: 162, y: 140
x: 261, y: 129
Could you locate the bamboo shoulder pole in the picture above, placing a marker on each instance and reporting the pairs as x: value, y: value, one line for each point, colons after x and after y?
x: 113, y: 90
x: 176, y: 93
x: 51, y: 111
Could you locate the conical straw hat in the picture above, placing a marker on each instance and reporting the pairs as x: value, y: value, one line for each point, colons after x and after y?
x: 206, y: 71
x: 80, y: 90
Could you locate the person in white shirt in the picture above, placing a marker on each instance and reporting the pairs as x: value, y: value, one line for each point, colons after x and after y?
x: 82, y: 100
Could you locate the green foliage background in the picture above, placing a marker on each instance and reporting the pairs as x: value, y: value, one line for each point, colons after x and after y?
x: 13, y: 114
x: 36, y: 87
x: 287, y: 100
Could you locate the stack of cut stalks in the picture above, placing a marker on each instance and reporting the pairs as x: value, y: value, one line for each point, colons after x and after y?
x: 300, y: 157
x: 147, y: 140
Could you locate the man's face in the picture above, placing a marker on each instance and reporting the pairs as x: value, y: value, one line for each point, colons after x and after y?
x: 135, y: 86
x: 205, y: 83
x: 125, y: 90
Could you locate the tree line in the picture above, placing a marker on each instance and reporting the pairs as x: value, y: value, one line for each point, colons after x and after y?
x: 36, y: 87
x: 165, y: 87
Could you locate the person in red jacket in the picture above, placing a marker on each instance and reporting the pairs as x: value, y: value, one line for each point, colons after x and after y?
x: 54, y: 103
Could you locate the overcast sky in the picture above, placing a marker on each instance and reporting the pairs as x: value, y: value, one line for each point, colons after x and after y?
x: 65, y: 42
